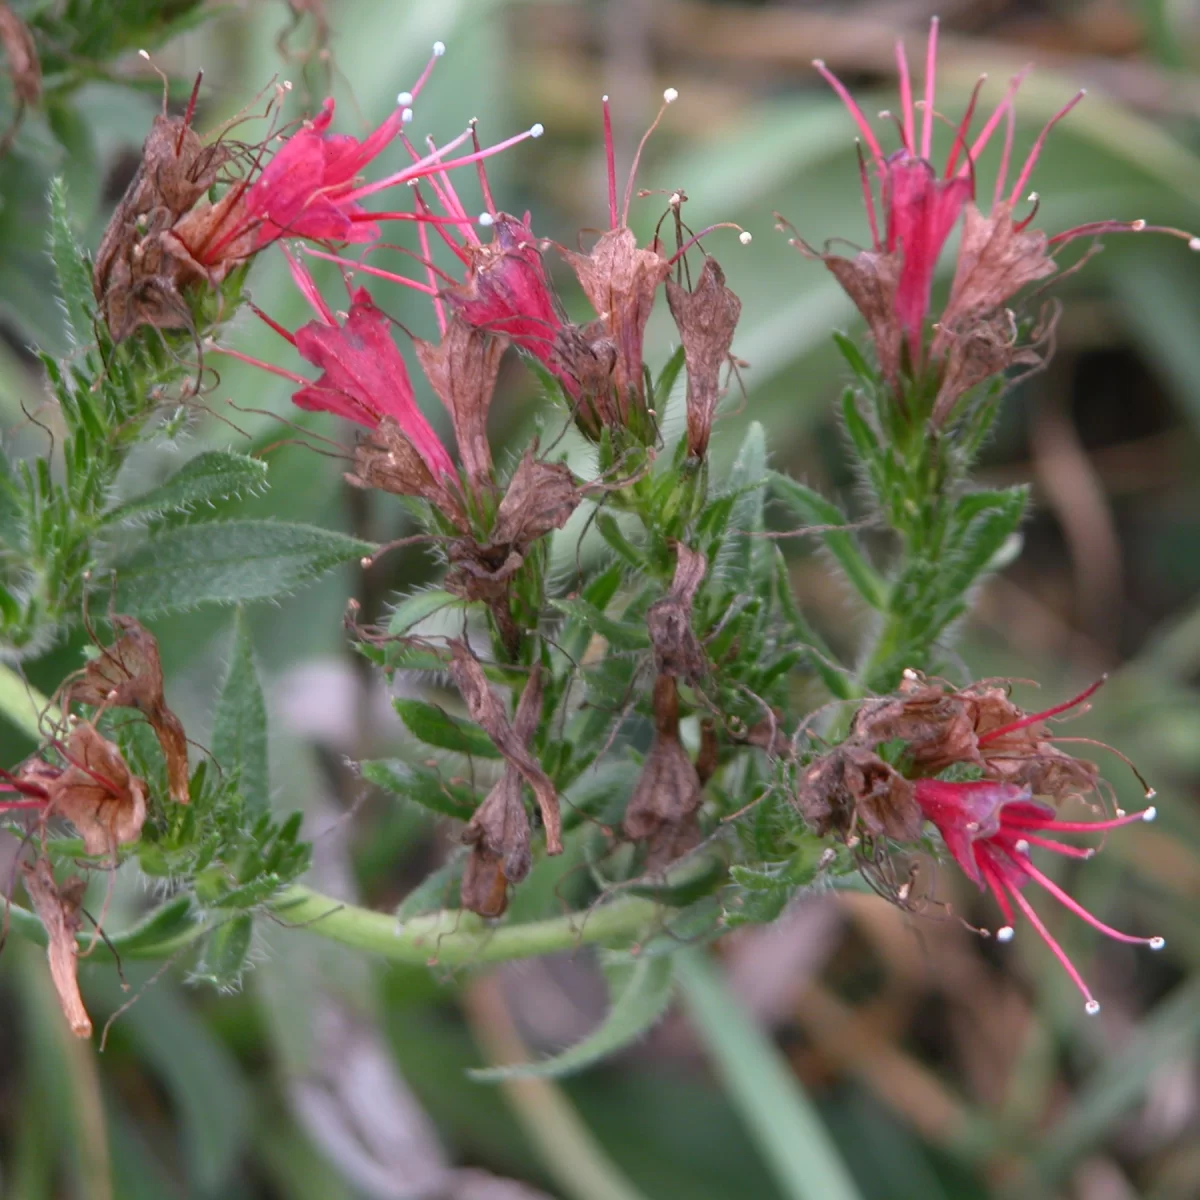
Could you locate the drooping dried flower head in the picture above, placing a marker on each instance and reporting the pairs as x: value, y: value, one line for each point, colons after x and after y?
x: 498, y: 833
x: 128, y: 674
x: 662, y: 810
x: 706, y: 318
x: 677, y: 650
x: 58, y: 910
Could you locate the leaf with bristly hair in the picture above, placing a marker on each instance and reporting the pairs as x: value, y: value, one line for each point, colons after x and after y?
x: 639, y: 992
x: 422, y: 786
x: 239, y: 739
x: 224, y: 562
x: 213, y: 475
x: 434, y: 727
x: 71, y: 268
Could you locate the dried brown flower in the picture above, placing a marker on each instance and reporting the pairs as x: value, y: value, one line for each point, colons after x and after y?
x: 662, y: 810
x: 128, y: 674
x: 462, y: 370
x: 24, y: 67
x: 498, y: 833
x: 486, y: 710
x: 677, y: 650
x: 386, y: 458
x: 58, y: 910
x: 850, y: 788
x: 706, y: 318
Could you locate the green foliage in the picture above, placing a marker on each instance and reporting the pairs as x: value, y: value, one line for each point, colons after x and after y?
x: 239, y: 737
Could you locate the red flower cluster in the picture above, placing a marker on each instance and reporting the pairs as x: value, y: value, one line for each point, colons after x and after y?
x: 999, y: 254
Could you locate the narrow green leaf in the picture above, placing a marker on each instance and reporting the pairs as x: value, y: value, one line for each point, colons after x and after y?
x: 854, y: 357
x: 213, y: 475
x: 610, y: 530
x: 224, y: 562
x: 620, y: 635
x: 745, y: 484
x: 434, y: 727
x: 414, y: 609
x: 239, y: 738
x: 665, y: 382
x: 639, y: 993
x: 71, y: 267
x: 421, y: 786
x: 224, y: 961
x: 777, y: 1113
x: 813, y: 509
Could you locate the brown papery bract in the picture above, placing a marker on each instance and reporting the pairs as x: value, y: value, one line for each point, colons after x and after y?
x: 706, y: 318
x: 58, y: 910
x: 486, y: 710
x: 677, y: 650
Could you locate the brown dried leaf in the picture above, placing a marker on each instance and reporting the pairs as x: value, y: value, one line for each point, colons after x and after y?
x: 462, y: 371
x: 706, y: 318
x: 128, y: 674
x: 677, y: 650
x: 486, y: 710
x: 58, y: 910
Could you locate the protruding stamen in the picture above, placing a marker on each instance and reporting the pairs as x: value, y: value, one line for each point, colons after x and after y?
x: 1034, y: 718
x: 1157, y: 943
x: 406, y: 116
x: 486, y: 220
x: 404, y: 99
x: 439, y: 48
x: 1005, y: 933
x: 610, y: 163
x: 1150, y: 813
x: 536, y: 129
x: 670, y: 96
x: 745, y: 237
x: 1092, y: 1007
x: 1031, y: 161
x: 855, y: 112
x: 930, y: 75
x: 907, y: 127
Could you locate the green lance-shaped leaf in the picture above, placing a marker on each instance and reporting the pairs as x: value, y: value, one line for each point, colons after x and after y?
x: 71, y: 267
x: 620, y: 635
x: 224, y: 961
x: 225, y: 562
x: 412, y: 610
x: 422, y: 786
x: 239, y: 739
x: 745, y: 484
x: 213, y: 475
x: 639, y: 992
x: 434, y: 727
x: 813, y: 509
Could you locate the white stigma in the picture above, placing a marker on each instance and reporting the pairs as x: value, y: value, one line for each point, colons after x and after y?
x: 404, y: 99
x: 745, y: 237
x: 536, y: 130
x: 439, y: 48
x: 1194, y: 243
x: 1156, y: 943
x: 1005, y: 933
x: 671, y: 95
x: 406, y: 116
x: 1150, y: 813
x: 486, y: 219
x: 1092, y: 1007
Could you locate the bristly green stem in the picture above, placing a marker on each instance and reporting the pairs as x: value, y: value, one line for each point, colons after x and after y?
x: 450, y: 938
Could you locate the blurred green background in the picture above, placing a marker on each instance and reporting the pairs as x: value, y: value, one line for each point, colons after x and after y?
x: 944, y: 1069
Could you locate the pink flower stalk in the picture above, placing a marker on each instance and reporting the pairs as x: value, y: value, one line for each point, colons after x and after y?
x: 989, y: 828
x: 921, y: 205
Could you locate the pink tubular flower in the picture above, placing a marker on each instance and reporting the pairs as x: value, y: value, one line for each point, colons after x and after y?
x: 989, y: 828
x: 891, y: 283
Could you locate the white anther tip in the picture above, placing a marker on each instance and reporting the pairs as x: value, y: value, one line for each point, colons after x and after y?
x: 486, y: 219
x: 604, y: 99
x: 1033, y: 197
x: 1092, y: 1007
x: 819, y: 63
x: 536, y: 130
x: 1157, y: 943
x: 439, y: 48
x: 1194, y: 243
x: 1150, y: 814
x: 1021, y: 846
x: 671, y: 95
x: 745, y: 237
x: 404, y: 99
x: 1005, y: 933
x: 144, y: 54
x: 406, y: 116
